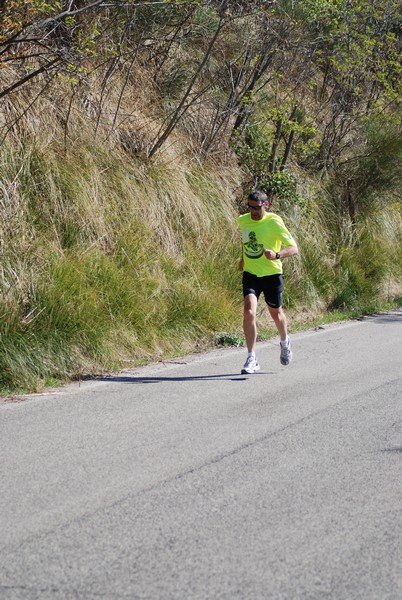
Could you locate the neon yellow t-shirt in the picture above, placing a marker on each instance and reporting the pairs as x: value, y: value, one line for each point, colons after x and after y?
x: 267, y: 233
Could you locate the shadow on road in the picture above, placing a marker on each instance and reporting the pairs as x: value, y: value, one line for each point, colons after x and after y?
x: 222, y: 377
x: 387, y: 317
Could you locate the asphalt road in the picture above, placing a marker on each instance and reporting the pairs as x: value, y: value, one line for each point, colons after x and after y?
x: 189, y: 481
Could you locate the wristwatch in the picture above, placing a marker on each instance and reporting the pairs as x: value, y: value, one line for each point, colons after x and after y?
x: 277, y: 255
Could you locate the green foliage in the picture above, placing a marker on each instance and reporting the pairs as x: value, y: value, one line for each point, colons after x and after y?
x: 357, y: 288
x: 82, y: 304
x: 364, y: 183
x: 224, y: 338
x: 254, y: 151
x: 17, y: 14
x: 284, y: 185
x: 379, y: 165
x: 253, y: 147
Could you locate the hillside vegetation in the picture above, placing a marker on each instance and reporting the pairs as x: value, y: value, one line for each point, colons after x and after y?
x: 130, y: 134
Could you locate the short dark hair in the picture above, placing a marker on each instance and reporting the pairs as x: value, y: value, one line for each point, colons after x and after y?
x: 258, y: 196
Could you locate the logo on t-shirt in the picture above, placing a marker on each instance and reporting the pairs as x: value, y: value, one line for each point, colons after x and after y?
x: 252, y: 248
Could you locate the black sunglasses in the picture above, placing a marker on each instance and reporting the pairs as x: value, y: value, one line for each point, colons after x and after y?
x: 255, y: 207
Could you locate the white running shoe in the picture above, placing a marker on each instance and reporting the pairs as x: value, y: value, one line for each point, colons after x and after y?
x: 286, y: 352
x: 250, y: 366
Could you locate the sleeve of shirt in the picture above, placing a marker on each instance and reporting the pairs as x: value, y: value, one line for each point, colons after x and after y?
x: 285, y: 235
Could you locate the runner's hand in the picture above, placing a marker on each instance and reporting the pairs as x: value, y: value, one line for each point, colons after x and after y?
x: 270, y: 254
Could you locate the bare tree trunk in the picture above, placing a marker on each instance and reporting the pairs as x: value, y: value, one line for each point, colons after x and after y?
x: 275, y: 144
x: 288, y: 148
x: 289, y: 143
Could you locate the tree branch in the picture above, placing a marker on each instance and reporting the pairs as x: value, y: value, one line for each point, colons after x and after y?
x: 24, y: 80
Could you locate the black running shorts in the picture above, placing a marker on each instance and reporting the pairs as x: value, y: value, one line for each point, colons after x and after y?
x: 270, y: 285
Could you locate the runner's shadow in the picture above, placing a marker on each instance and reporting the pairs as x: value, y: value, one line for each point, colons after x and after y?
x: 222, y: 377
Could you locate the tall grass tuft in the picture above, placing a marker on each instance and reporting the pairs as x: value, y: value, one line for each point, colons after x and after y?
x: 104, y: 263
